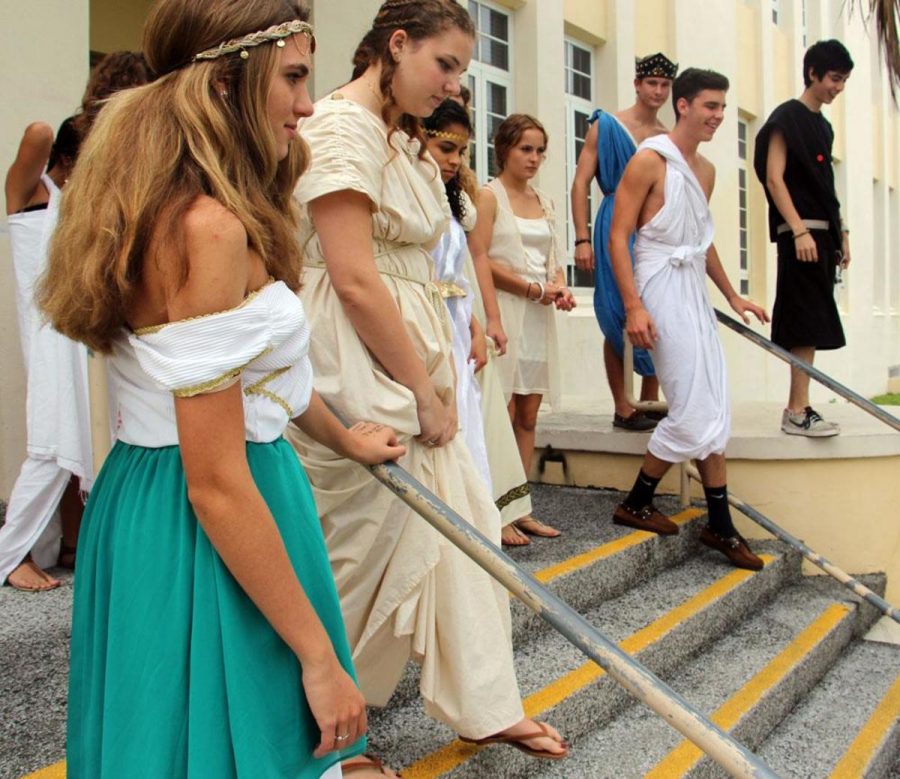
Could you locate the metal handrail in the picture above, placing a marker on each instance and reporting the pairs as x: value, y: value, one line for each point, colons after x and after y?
x: 814, y: 373
x: 733, y: 756
x: 856, y: 586
x: 688, y: 471
x: 781, y: 353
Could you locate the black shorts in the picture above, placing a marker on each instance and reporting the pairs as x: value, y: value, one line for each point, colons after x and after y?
x: 805, y: 312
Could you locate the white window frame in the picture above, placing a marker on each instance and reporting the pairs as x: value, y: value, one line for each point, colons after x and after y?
x: 480, y: 75
x: 744, y: 254
x: 575, y: 103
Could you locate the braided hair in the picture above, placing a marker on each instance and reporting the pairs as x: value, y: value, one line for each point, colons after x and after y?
x: 419, y: 19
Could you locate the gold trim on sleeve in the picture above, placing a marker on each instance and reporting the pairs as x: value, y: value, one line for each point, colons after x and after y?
x: 150, y: 329
x: 258, y: 388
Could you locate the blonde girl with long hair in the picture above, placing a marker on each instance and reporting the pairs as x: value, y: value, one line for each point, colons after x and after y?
x: 207, y: 637
x: 374, y: 205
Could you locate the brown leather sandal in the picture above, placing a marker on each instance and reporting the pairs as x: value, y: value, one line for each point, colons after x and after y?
x: 519, y: 743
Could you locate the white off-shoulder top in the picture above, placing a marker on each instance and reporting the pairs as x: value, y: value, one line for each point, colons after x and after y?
x: 263, y: 343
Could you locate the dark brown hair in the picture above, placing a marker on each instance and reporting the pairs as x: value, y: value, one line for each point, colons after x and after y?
x: 119, y: 70
x: 692, y: 82
x: 510, y: 132
x: 419, y: 19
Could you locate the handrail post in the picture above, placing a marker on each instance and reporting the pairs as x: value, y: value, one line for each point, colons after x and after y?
x: 628, y: 672
x: 684, y: 491
x: 628, y: 369
x: 814, y: 373
x: 854, y: 585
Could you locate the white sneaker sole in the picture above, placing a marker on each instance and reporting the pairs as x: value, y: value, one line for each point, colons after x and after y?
x: 810, y: 433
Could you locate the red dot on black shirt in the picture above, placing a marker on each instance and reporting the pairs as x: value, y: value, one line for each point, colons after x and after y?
x: 820, y: 158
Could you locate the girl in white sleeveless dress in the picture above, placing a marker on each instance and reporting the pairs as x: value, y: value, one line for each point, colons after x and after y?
x: 518, y: 225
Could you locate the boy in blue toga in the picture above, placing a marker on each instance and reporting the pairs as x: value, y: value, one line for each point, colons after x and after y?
x: 609, y: 145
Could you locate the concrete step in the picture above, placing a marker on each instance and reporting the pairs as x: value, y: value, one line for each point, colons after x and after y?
x: 663, y: 622
x: 34, y: 672
x: 848, y: 726
x: 591, y: 562
x: 595, y: 560
x: 747, y: 683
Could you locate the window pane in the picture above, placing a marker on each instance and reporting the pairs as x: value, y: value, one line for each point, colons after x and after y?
x: 742, y: 199
x: 581, y: 125
x: 497, y: 25
x: 742, y: 178
x: 582, y: 60
x: 743, y: 219
x: 582, y: 86
x: 496, y: 99
x: 493, y: 52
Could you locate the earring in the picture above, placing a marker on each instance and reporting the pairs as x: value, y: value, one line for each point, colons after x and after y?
x: 223, y: 95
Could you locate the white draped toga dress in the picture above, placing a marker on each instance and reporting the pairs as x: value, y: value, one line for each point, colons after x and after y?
x: 405, y: 590
x: 451, y: 261
x: 57, y: 409
x: 670, y: 275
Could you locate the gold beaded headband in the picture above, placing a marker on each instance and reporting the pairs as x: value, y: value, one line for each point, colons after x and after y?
x: 447, y: 136
x: 277, y: 33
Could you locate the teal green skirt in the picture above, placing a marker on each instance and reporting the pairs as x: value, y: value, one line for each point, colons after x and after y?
x: 174, y: 671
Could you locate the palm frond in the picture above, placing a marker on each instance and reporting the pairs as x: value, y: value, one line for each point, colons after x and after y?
x: 886, y: 15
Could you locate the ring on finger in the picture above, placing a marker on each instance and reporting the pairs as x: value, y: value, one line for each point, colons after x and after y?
x: 342, y: 738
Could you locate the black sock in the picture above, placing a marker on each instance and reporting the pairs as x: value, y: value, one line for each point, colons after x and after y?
x: 719, y: 513
x: 642, y: 492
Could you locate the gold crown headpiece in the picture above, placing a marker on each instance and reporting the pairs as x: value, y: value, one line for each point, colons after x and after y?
x: 277, y: 33
x: 658, y: 65
x: 448, y: 136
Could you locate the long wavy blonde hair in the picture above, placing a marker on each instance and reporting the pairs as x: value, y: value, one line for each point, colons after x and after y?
x: 154, y: 149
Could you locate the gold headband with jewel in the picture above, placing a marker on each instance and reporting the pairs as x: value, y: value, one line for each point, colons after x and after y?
x: 277, y: 33
x: 447, y: 136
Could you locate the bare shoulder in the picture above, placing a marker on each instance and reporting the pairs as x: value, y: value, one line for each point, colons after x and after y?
x: 647, y: 162
x: 487, y: 201
x: 218, y: 258
x: 208, y: 220
x: 706, y: 173
x: 38, y: 134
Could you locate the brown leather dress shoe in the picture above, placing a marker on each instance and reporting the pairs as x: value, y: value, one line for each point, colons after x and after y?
x: 648, y: 518
x: 735, y: 548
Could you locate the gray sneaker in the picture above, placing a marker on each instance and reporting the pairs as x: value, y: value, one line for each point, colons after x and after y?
x: 808, y: 423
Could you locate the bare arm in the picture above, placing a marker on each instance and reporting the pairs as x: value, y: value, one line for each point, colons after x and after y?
x: 776, y: 162
x: 365, y: 442
x: 222, y: 491
x: 24, y: 174
x: 481, y: 263
x: 581, y: 187
x: 642, y: 171
x: 344, y: 226
x: 504, y: 278
x: 717, y: 274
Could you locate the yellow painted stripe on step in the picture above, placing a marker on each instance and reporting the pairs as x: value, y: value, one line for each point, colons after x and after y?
x: 686, y: 755
x: 55, y: 771
x: 455, y: 753
x: 608, y: 550
x: 856, y: 759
